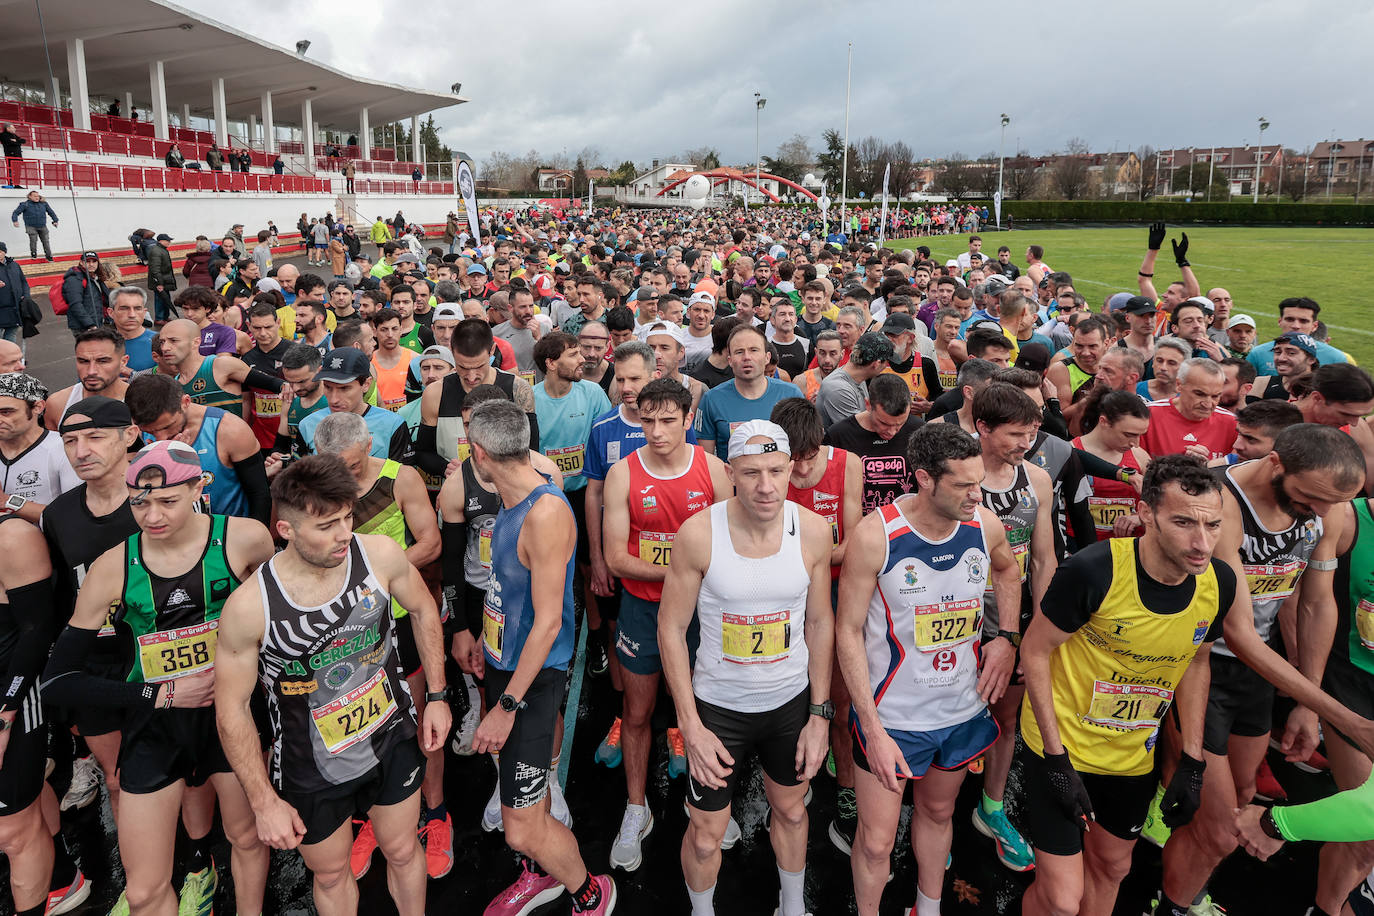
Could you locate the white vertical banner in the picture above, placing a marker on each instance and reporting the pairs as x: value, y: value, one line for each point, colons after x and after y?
x: 467, y: 187
x: 882, y: 219
x: 591, y: 192
x: 997, y: 208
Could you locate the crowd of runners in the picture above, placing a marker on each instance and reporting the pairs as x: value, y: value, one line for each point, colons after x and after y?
x: 817, y: 502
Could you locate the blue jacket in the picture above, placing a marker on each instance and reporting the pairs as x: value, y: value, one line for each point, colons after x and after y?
x: 36, y: 213
x: 16, y: 287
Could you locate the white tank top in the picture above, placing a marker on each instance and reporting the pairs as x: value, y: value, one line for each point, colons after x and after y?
x: 923, y: 629
x: 752, y: 611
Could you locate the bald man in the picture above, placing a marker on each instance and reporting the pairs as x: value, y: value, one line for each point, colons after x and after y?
x: 212, y: 381
x: 1221, y: 313
x: 11, y: 357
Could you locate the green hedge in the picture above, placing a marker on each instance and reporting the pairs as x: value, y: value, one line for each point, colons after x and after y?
x: 1172, y: 211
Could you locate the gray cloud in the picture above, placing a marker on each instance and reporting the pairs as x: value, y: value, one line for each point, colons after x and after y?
x: 640, y: 83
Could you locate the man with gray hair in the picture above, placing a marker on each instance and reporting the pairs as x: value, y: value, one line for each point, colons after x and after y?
x: 1167, y: 361
x: 1191, y: 422
x: 843, y: 391
x: 528, y: 634
x: 128, y: 311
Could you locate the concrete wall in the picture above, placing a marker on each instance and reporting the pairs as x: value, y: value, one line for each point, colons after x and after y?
x: 106, y: 218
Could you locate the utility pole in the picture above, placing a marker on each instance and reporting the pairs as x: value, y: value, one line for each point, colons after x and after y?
x: 759, y: 102
x: 1001, y: 149
x: 1259, y: 159
x: 844, y: 169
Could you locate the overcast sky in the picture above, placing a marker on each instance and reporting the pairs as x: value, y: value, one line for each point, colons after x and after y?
x: 557, y: 76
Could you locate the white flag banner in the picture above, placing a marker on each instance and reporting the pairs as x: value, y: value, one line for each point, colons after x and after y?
x: 997, y: 208
x: 591, y: 192
x: 882, y: 219
x: 467, y: 188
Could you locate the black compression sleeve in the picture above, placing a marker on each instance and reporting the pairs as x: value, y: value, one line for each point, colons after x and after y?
x: 282, y: 444
x: 32, y: 607
x: 264, y: 381
x: 1075, y: 509
x: 427, y: 456
x: 66, y: 683
x: 253, y: 478
x: 454, y: 538
x: 1094, y: 466
x: 534, y: 431
x: 472, y: 611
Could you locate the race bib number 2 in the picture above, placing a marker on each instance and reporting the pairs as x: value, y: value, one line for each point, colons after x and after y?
x: 1364, y: 622
x: 1273, y: 580
x: 169, y: 654
x: 756, y: 639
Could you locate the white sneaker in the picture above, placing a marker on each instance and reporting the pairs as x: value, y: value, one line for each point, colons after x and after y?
x: 732, y: 835
x: 558, y: 805
x: 626, y: 852
x: 467, y: 730
x: 85, y: 784
x: 491, y: 815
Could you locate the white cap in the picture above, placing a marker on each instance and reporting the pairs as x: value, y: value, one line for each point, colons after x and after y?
x: 1239, y: 321
x: 701, y: 296
x: 952, y: 263
x: 746, y: 431
x: 447, y: 311
x: 665, y: 328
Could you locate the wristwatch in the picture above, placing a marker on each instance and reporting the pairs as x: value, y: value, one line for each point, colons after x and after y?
x: 442, y: 695
x: 1009, y: 636
x: 6, y: 724
x: 510, y: 703
x: 15, y: 503
x: 1267, y: 824
x: 825, y: 710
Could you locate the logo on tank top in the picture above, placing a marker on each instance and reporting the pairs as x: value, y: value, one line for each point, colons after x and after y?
x: 198, y: 385
x: 178, y: 598
x: 974, y: 566
x: 910, y: 575
x: 1026, y: 501
x: 338, y: 675
x: 821, y: 496
x: 1309, y: 533
x: 945, y: 661
x: 1200, y: 631
x: 650, y: 503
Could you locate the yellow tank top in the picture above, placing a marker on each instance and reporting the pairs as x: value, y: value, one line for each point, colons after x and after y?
x: 1115, y: 677
x: 915, y: 380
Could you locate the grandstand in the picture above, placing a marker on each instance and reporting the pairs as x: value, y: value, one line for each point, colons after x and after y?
x: 107, y: 174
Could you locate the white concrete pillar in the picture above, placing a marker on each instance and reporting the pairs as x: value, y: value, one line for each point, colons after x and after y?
x: 364, y: 135
x: 221, y: 115
x: 416, y: 148
x: 76, y: 77
x: 308, y: 132
x: 269, y: 133
x: 252, y: 130
x: 186, y: 116
x: 158, y: 84
x: 128, y: 104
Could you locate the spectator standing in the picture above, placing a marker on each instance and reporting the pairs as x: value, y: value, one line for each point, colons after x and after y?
x: 12, y: 146
x: 214, y: 158
x: 85, y: 292
x: 36, y: 213
x: 13, y: 288
x: 162, y: 279
x: 197, y: 267
x: 349, y: 172
x: 277, y: 165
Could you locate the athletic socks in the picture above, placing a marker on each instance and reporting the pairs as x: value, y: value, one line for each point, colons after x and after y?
x: 34, y: 911
x: 437, y: 813
x: 198, y: 855
x: 925, y: 906
x: 990, y: 806
x: 703, y: 901
x: 63, y: 865
x: 791, y: 900
x: 1166, y: 907
x: 588, y: 896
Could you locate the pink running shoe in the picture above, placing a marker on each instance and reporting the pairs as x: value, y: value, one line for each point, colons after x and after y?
x: 529, y: 892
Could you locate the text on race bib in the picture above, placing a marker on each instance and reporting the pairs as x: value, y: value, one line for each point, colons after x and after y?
x: 568, y: 460
x: 169, y: 654
x: 948, y: 623
x: 1273, y: 580
x: 267, y: 405
x: 493, y: 630
x: 1128, y: 706
x: 1106, y: 510
x: 351, y: 718
x: 656, y: 547
x: 484, y: 548
x: 1364, y: 622
x: 756, y: 639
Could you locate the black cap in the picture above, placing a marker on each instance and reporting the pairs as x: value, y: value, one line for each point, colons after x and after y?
x: 898, y: 323
x: 1033, y: 356
x: 164, y: 237
x: 95, y: 412
x: 1139, y: 305
x: 343, y: 365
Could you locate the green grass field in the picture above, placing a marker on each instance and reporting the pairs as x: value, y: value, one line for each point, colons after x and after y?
x: 1258, y: 266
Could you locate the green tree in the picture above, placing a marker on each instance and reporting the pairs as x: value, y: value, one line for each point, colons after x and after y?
x: 792, y: 171
x: 622, y: 174
x: 579, y: 178
x: 831, y: 162
x: 435, y: 151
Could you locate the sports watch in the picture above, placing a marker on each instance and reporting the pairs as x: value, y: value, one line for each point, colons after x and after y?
x: 439, y: 696
x: 825, y: 710
x: 510, y: 703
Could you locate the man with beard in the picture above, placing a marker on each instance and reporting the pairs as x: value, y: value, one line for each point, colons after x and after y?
x: 907, y: 363
x: 1240, y: 378
x: 100, y: 363
x: 264, y: 406
x: 829, y: 352
x: 1294, y: 355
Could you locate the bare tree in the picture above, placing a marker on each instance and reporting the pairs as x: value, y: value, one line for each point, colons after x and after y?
x: 1019, y: 177
x: 1071, y: 177
x: 903, y: 162
x: 954, y: 177
x: 796, y: 150
x: 1149, y: 172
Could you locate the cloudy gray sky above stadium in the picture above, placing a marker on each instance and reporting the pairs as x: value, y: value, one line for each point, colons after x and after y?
x: 650, y: 84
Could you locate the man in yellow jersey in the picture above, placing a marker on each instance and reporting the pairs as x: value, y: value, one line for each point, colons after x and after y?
x: 1125, y: 631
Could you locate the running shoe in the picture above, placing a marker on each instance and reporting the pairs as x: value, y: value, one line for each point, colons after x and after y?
x: 364, y: 845
x: 830, y: 763
x: 677, y: 754
x: 558, y: 805
x: 529, y: 892
x: 1267, y: 787
x: 597, y: 659
x: 66, y: 899
x: 1317, y: 763
x: 607, y: 900
x: 85, y: 784
x: 437, y: 837
x: 121, y: 907
x: 198, y: 893
x: 627, y: 851
x: 1207, y: 907
x: 467, y: 730
x: 846, y: 820
x: 1155, y: 830
x: 1012, y: 848
x: 491, y: 814
x: 608, y: 752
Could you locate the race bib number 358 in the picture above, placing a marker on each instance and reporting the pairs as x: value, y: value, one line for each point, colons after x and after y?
x: 170, y: 654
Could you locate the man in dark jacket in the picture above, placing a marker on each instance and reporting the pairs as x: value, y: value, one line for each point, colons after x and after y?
x: 13, y: 288
x: 85, y: 292
x: 214, y: 158
x: 162, y: 279
x: 174, y: 158
x: 36, y: 212
x: 12, y: 147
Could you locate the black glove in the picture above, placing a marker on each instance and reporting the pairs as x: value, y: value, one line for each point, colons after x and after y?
x: 1068, y: 789
x: 1157, y: 232
x: 1181, y: 250
x: 1184, y: 794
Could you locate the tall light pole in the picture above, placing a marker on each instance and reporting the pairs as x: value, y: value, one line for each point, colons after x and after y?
x: 759, y: 102
x: 1001, y: 149
x: 844, y: 168
x: 1259, y: 159
x: 1331, y: 167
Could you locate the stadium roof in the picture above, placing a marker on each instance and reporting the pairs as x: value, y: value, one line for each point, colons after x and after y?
x: 123, y: 36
